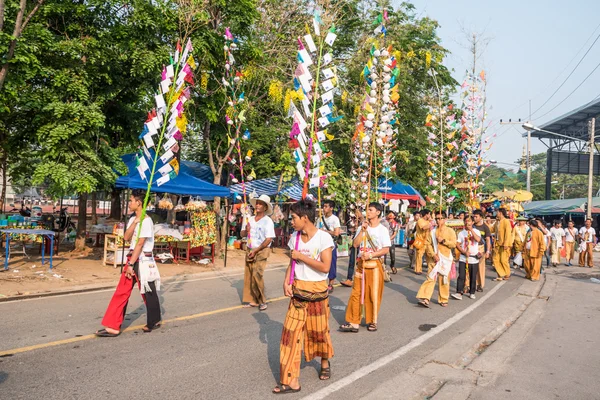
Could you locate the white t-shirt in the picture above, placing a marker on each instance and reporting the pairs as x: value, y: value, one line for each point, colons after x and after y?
x: 147, y: 233
x: 259, y: 231
x: 380, y: 236
x: 557, y: 234
x: 313, y: 248
x: 332, y: 221
x: 587, y: 235
x: 568, y: 237
x: 473, y: 243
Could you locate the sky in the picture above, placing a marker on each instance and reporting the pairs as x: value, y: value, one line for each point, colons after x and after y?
x: 533, y: 46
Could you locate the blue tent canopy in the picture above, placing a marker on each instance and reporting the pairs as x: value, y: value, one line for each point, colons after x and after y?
x: 269, y: 186
x: 186, y: 183
x: 397, y: 190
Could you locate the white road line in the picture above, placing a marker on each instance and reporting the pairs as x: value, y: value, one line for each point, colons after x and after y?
x: 171, y: 282
x: 416, y: 342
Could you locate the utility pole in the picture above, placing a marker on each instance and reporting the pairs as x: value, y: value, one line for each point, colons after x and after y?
x: 529, y: 153
x: 591, y: 130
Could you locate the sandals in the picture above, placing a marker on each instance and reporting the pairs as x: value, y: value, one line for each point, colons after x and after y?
x: 148, y: 330
x: 250, y: 305
x: 394, y: 270
x: 372, y: 327
x: 262, y: 307
x: 424, y: 303
x: 444, y: 304
x: 283, y: 389
x: 348, y: 328
x: 105, y: 333
x: 325, y: 372
x: 330, y: 288
x: 346, y: 283
x: 498, y: 279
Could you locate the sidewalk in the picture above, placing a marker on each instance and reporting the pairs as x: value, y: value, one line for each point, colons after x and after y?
x: 74, y: 272
x: 530, y: 346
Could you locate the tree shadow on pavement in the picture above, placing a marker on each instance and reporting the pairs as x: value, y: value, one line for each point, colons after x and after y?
x: 411, y: 296
x: 270, y: 334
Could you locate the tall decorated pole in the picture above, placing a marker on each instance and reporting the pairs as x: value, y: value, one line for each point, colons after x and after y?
x: 374, y: 137
x: 473, y: 128
x: 235, y: 119
x: 162, y: 133
x: 315, y: 82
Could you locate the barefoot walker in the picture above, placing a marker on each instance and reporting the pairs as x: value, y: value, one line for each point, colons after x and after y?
x: 307, y: 318
x: 140, y: 268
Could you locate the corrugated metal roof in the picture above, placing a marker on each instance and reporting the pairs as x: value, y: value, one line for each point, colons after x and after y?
x: 573, y: 123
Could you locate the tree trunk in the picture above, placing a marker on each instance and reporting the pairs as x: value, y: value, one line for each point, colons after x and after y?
x: 4, y: 166
x: 94, y: 201
x: 115, y: 204
x: 81, y: 222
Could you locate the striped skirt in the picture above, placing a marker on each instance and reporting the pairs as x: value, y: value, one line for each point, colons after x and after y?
x: 306, y: 324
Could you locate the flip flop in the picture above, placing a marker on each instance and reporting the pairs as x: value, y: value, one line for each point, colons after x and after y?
x: 262, y: 307
x: 345, y: 284
x: 105, y: 333
x: 444, y: 304
x: 283, y: 389
x: 498, y: 279
x: 145, y: 328
x: 250, y: 305
x: 424, y: 304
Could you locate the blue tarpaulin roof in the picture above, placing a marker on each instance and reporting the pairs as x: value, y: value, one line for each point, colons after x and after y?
x: 395, y: 189
x: 186, y: 182
x: 269, y: 186
x: 558, y: 207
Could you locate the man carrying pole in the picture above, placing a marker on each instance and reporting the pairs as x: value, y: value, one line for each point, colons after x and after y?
x: 331, y: 224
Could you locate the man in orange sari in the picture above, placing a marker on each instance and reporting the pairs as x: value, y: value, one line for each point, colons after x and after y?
x: 422, y: 238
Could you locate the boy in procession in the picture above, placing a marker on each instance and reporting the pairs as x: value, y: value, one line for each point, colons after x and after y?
x: 503, y: 246
x: 140, y: 268
x: 485, y: 246
x: 307, y: 318
x: 439, y: 249
x: 519, y: 235
x: 570, y: 241
x: 468, y: 246
x: 535, y: 247
x: 557, y: 243
x: 260, y: 232
x: 422, y: 239
x: 331, y: 224
x: 373, y: 242
x: 587, y: 237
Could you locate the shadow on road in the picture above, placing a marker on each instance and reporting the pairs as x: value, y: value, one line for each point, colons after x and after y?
x: 3, y: 377
x: 270, y: 334
x: 406, y: 292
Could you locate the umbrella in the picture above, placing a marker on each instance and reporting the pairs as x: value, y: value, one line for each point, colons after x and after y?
x: 504, y: 194
x: 489, y: 200
x: 522, y: 195
x: 514, y: 207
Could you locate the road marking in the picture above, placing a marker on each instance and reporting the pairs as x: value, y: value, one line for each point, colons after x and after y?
x: 129, y: 329
x: 170, y: 282
x: 416, y: 342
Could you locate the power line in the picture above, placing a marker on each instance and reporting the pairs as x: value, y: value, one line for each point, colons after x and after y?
x: 574, y: 90
x: 570, y: 74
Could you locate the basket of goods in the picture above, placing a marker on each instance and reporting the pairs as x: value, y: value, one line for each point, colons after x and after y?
x: 165, y: 203
x: 195, y: 205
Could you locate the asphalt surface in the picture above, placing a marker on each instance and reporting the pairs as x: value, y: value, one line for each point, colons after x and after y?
x: 230, y: 353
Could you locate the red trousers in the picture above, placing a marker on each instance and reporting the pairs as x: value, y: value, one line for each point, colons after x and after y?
x: 115, y: 313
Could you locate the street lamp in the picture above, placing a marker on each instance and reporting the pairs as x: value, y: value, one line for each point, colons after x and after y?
x: 528, y: 126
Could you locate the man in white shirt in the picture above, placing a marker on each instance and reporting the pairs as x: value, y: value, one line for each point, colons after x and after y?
x: 330, y: 223
x: 146, y: 276
x: 587, y: 237
x: 373, y: 242
x: 570, y: 239
x: 468, y: 246
x: 558, y: 242
x: 260, y: 232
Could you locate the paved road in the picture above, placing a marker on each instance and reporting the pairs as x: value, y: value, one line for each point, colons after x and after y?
x: 215, y: 350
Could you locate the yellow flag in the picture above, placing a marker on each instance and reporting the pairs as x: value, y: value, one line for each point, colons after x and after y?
x: 175, y: 164
x: 190, y: 61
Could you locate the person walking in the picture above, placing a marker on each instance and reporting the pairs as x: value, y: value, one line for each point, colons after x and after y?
x: 373, y: 242
x: 571, y: 236
x: 260, y: 232
x: 587, y: 237
x: 306, y: 322
x: 140, y: 268
x: 485, y: 246
x: 557, y: 242
x: 330, y: 223
x: 410, y: 231
x: 535, y: 247
x: 351, y: 229
x: 468, y: 246
x: 548, y: 240
x: 519, y: 236
x: 422, y: 238
x: 439, y: 249
x: 503, y: 246
x: 393, y: 227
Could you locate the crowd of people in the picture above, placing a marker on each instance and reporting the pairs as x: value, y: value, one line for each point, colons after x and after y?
x: 452, y: 252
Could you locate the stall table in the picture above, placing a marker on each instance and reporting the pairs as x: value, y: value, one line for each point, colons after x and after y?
x: 46, y: 234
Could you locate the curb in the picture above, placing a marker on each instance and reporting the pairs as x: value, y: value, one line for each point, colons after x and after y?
x: 106, y: 287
